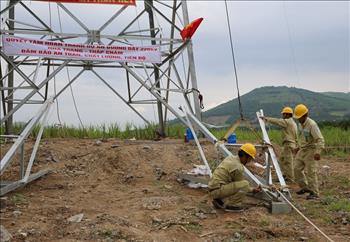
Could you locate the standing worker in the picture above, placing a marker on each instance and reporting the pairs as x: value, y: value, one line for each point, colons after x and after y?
x: 227, y: 186
x: 311, y: 145
x: 290, y: 132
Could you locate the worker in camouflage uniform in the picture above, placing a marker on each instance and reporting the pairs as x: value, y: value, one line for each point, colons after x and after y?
x: 311, y: 145
x: 289, y: 142
x: 227, y: 186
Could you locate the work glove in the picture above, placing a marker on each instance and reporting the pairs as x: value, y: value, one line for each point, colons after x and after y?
x: 218, y: 143
x: 257, y: 189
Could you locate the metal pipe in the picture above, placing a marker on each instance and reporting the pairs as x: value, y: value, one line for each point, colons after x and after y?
x: 20, y: 140
x: 116, y: 93
x: 34, y: 91
x: 37, y: 142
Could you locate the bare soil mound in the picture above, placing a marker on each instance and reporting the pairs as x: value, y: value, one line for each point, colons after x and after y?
x: 128, y: 191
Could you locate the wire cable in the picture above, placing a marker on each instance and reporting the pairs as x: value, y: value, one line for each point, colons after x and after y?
x: 234, y: 61
x: 68, y: 75
x: 291, y: 43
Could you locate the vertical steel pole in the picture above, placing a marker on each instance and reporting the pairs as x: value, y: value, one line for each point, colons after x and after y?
x: 9, y: 122
x: 171, y: 60
x: 192, y: 66
x: 2, y: 95
x: 148, y: 8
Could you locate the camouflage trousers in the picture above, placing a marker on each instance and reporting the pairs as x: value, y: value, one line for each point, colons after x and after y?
x: 232, y: 193
x: 287, y: 161
x: 305, y: 170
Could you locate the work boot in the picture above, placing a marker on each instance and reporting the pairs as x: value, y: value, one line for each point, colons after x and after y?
x: 303, y: 191
x: 218, y: 203
x: 230, y: 208
x: 312, y: 196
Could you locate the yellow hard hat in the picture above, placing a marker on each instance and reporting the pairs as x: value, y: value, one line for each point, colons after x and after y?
x: 249, y: 149
x: 300, y: 110
x: 287, y: 110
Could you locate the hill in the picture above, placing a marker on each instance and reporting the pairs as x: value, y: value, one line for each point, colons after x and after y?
x: 327, y: 106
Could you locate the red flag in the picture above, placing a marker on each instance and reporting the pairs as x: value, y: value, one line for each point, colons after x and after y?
x: 190, y: 28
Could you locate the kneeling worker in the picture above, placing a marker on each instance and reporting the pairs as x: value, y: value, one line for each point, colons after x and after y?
x: 227, y: 186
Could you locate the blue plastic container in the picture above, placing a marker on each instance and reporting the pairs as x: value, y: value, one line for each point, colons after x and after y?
x: 189, y: 135
x: 232, y: 139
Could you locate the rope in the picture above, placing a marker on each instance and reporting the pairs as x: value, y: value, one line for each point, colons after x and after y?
x: 234, y: 61
x: 68, y: 75
x: 302, y: 215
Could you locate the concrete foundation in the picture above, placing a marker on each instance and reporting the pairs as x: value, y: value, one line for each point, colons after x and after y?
x: 280, y: 208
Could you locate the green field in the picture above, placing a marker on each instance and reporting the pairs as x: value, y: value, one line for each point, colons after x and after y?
x: 334, y: 136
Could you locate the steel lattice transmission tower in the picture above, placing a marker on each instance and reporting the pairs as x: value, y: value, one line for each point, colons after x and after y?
x: 154, y: 23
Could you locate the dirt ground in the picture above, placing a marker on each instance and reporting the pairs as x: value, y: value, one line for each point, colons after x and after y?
x: 129, y: 191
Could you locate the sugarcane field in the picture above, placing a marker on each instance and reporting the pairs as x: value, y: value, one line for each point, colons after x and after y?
x: 176, y: 120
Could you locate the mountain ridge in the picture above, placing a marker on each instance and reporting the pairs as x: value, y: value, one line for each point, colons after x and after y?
x: 326, y: 106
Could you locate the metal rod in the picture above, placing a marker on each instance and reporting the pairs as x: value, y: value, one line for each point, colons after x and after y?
x: 18, y: 184
x: 3, y: 95
x: 10, y: 6
x: 149, y: 7
x: 169, y: 57
x: 271, y: 151
x: 189, y: 124
x: 47, y: 74
x: 128, y: 84
x: 116, y: 93
x: 73, y: 17
x: 172, y: 30
x: 21, y: 162
x: 154, y: 93
x: 24, y: 23
x: 37, y: 70
x: 40, y: 21
x: 132, y: 22
x: 19, y: 141
x: 182, y: 87
x: 34, y: 91
x: 69, y: 83
x: 113, y: 17
x: 192, y: 66
x: 37, y: 142
x: 9, y: 61
x: 150, y: 3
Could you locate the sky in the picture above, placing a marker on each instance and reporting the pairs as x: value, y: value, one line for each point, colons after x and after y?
x: 304, y: 44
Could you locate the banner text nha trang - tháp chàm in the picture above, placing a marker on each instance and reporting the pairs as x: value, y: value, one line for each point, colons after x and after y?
x: 14, y: 46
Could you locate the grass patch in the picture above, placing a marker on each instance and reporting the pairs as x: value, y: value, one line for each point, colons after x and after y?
x: 264, y: 222
x: 334, y: 136
x: 18, y: 199
x: 340, y: 205
x: 193, y: 226
x: 335, y: 204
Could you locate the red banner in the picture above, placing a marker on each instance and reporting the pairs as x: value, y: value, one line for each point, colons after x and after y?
x: 122, y: 2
